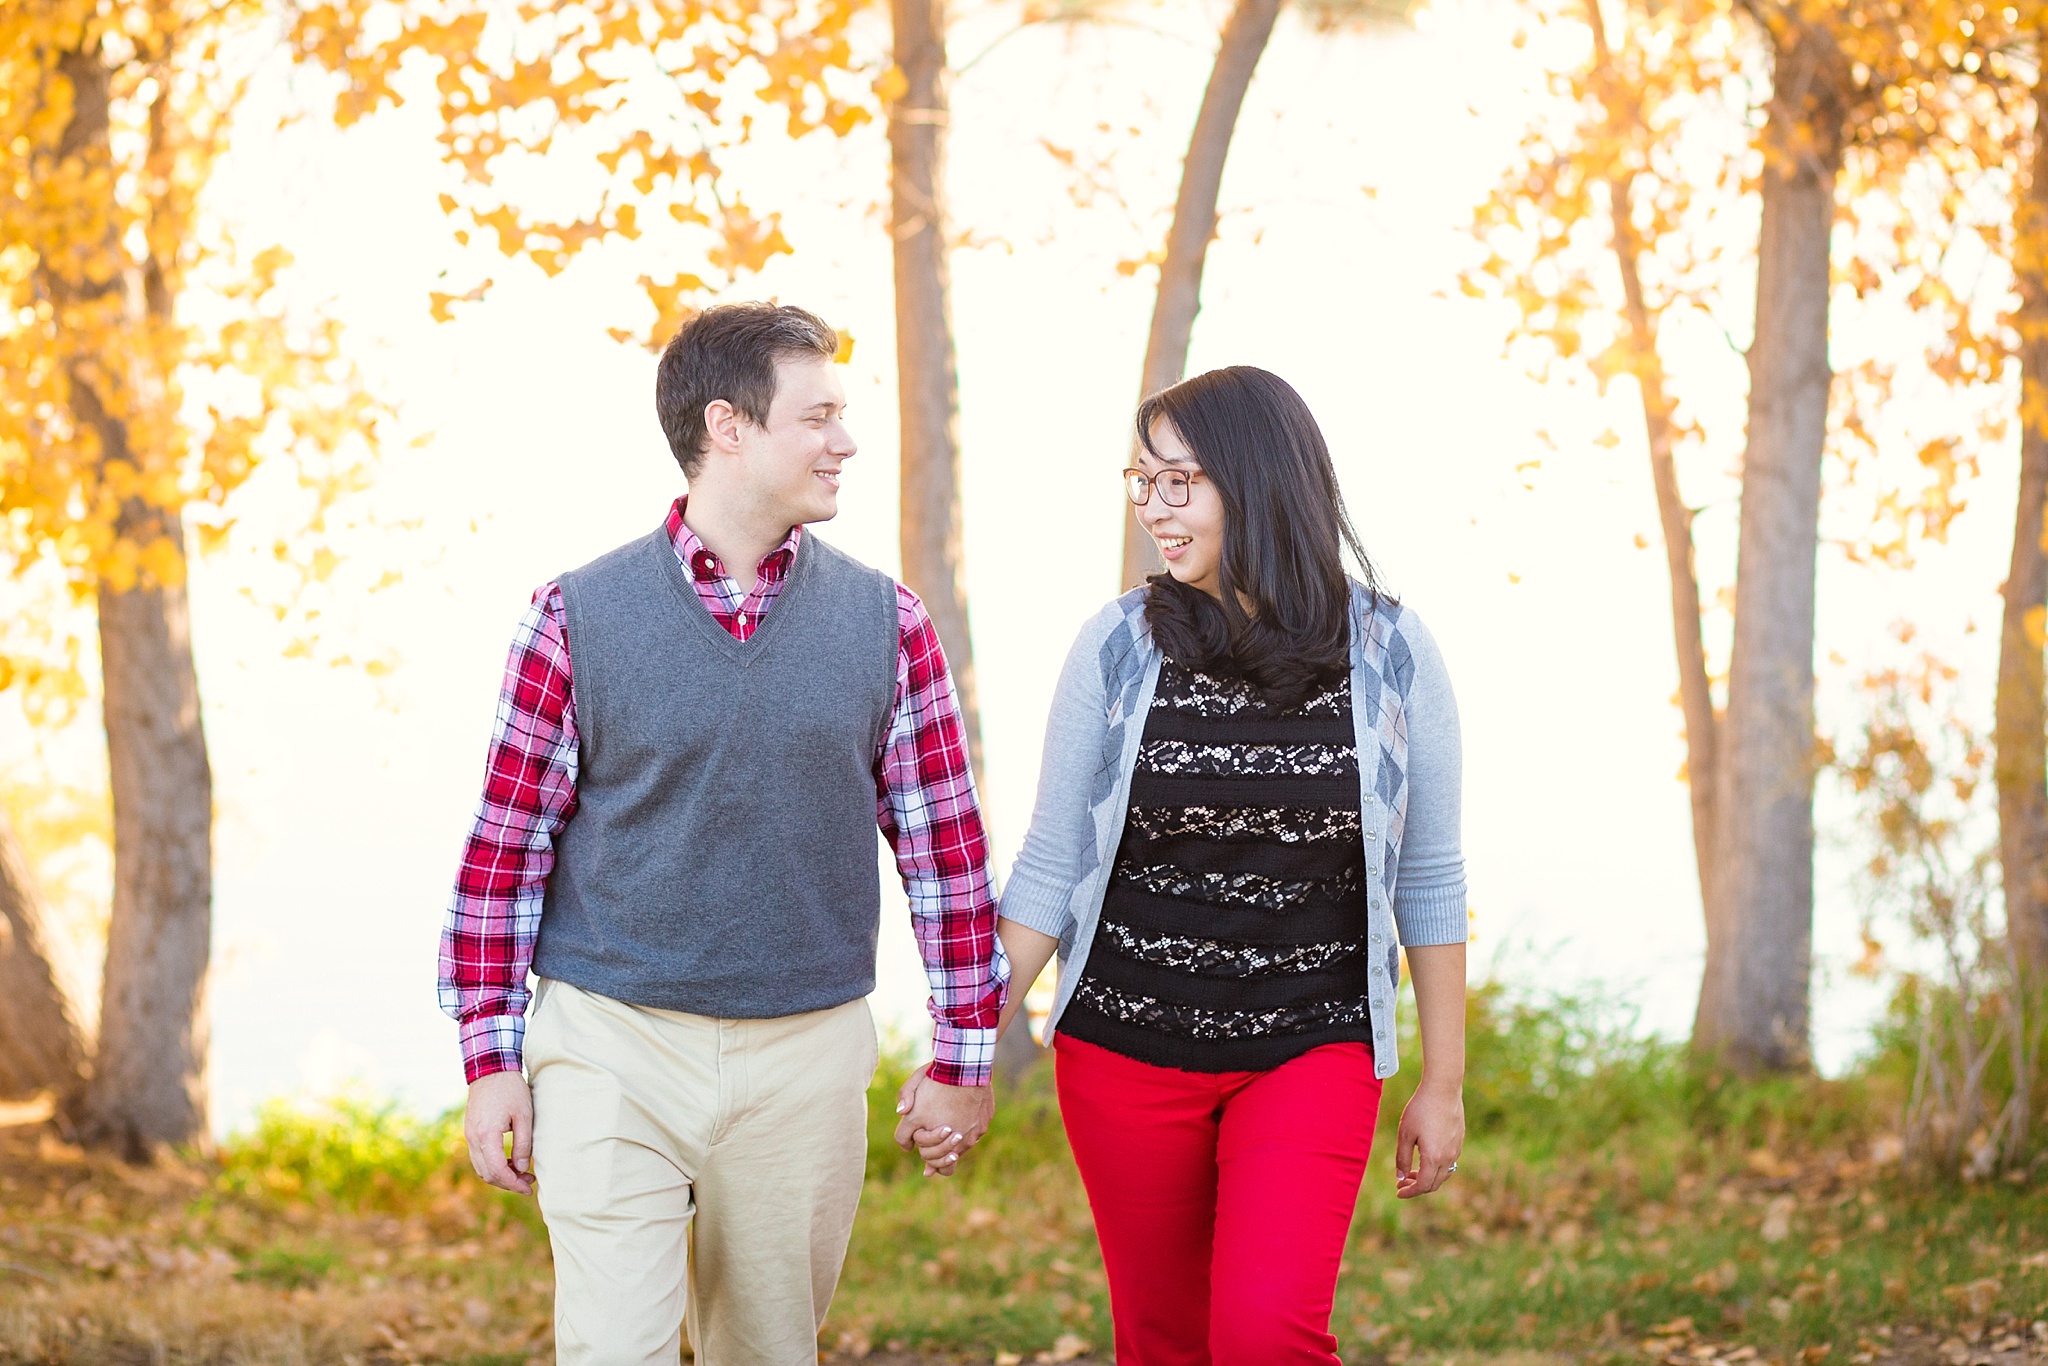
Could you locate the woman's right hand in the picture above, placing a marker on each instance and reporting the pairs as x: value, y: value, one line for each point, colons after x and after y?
x: 1028, y: 952
x: 940, y: 1147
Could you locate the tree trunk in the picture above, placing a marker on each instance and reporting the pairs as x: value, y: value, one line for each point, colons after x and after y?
x: 927, y: 383
x: 1753, y: 999
x: 927, y: 374
x: 1194, y: 226
x: 1695, y: 695
x: 149, y: 1076
x: 2021, y: 727
x: 40, y: 1045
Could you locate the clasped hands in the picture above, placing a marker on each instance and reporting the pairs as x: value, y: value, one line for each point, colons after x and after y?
x: 941, y: 1122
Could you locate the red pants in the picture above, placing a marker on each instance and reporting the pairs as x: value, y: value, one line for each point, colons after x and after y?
x: 1222, y: 1200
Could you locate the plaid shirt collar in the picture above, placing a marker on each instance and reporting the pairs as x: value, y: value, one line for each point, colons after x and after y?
x: 707, y: 567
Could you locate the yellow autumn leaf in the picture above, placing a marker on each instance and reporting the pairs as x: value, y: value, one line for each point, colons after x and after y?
x: 892, y: 85
x: 441, y: 306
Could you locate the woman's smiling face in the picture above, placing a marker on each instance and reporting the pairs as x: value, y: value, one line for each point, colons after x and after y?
x: 1190, y: 538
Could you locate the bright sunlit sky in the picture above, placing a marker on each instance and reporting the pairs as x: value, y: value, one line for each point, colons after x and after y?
x: 343, y: 800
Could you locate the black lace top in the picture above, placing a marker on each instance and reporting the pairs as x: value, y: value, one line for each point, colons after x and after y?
x: 1233, y: 931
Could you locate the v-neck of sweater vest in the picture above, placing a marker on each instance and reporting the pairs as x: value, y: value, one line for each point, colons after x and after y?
x: 741, y: 652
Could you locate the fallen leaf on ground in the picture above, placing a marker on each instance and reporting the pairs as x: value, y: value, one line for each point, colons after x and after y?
x: 1065, y: 1347
x: 1976, y: 1296
x: 1719, y: 1281
x: 1777, y: 1225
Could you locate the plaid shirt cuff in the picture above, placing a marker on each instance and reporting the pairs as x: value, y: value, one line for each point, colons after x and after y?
x: 962, y: 1057
x: 492, y: 1043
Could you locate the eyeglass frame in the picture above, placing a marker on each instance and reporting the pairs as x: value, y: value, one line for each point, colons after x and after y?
x: 1135, y: 477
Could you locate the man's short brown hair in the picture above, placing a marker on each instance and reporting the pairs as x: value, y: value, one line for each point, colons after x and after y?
x: 730, y: 352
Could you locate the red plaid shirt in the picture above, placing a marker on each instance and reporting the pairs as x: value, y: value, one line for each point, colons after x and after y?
x: 924, y: 803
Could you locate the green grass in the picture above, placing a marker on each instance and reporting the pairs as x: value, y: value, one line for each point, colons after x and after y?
x: 1001, y: 1256
x: 1611, y: 1189
x: 351, y: 1152
x: 1610, y: 1186
x: 287, y: 1269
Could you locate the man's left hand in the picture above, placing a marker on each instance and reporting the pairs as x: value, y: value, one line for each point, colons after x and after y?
x: 941, y: 1122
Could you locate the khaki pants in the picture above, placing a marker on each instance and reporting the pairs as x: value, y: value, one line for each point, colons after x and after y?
x: 662, y: 1139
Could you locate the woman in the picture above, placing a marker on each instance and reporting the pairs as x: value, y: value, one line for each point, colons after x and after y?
x: 1250, y: 787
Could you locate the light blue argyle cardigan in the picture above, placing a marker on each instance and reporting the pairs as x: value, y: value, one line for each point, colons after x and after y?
x: 1402, y: 706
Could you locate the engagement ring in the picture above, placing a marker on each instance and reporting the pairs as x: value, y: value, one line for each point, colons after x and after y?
x: 1448, y: 1170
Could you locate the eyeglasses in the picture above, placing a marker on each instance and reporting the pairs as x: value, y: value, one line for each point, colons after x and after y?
x: 1172, y: 486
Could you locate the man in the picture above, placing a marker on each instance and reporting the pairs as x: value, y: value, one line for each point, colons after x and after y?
x: 698, y: 736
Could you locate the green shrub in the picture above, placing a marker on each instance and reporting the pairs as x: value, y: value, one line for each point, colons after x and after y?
x: 348, y: 1151
x: 1574, y: 1076
x: 1547, y: 1079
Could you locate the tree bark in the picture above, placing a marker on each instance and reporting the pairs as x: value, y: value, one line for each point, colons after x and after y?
x: 933, y: 537
x: 41, y: 1048
x: 1194, y: 226
x: 1754, y: 995
x: 927, y: 379
x: 2021, y: 726
x: 1695, y: 695
x: 149, y: 1076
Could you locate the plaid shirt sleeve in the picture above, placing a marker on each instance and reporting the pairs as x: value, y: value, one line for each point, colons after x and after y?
x: 529, y: 795
x: 928, y: 810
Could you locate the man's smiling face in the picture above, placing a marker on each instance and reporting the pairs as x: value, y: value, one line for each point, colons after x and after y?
x: 794, y: 461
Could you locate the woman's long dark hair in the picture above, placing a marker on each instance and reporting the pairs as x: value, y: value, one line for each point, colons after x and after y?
x: 1284, y: 535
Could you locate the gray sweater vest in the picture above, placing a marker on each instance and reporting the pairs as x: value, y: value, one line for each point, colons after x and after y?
x: 721, y: 859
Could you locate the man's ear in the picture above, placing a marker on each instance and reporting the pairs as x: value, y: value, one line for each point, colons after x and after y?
x: 722, y: 427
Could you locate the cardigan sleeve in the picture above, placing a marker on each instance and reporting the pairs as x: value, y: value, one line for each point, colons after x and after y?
x: 1429, y: 892
x: 1062, y: 831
